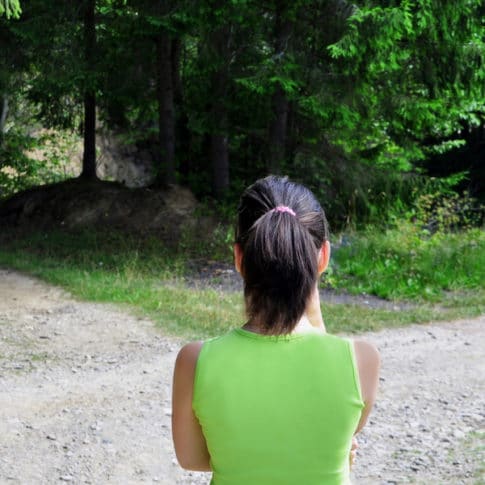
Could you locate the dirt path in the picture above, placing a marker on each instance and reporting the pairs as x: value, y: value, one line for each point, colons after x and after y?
x: 85, y: 397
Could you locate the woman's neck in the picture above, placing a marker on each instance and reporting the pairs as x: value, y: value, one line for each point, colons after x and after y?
x: 303, y: 326
x: 306, y: 326
x: 311, y: 321
x: 313, y: 310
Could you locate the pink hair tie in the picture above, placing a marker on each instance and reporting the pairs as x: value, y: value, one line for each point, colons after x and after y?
x: 283, y: 208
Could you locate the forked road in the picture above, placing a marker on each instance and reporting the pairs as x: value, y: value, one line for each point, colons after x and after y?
x: 85, y: 397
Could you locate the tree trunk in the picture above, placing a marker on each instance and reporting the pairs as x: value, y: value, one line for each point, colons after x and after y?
x: 182, y: 132
x: 219, y: 150
x: 166, y: 111
x: 89, y: 155
x: 278, y: 130
x: 176, y: 80
x: 220, y: 164
x: 3, y: 117
x: 279, y: 102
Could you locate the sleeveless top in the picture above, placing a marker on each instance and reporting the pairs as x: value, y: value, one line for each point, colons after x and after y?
x: 278, y: 410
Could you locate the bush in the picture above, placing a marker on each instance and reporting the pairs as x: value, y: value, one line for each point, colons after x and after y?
x: 27, y: 161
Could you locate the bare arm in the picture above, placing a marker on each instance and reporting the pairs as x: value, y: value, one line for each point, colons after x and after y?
x: 368, y: 363
x: 189, y: 442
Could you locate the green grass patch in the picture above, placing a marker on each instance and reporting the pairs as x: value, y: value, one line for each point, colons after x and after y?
x: 42, y: 357
x: 474, y: 446
x: 407, y: 263
x: 148, y: 279
x: 139, y: 273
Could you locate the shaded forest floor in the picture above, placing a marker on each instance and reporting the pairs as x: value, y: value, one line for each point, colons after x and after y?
x: 85, y: 397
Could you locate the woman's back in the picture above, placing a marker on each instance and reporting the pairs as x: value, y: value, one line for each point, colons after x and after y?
x: 277, y: 409
x: 278, y: 404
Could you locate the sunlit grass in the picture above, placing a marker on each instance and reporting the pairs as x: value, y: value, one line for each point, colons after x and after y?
x: 405, y: 263
x: 149, y: 280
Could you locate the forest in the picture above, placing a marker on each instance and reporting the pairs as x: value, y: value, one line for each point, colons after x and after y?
x: 372, y: 105
x: 378, y: 107
x: 128, y: 130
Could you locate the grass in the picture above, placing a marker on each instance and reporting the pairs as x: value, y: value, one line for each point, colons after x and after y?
x: 148, y: 279
x: 475, y: 444
x: 42, y: 357
x: 406, y: 263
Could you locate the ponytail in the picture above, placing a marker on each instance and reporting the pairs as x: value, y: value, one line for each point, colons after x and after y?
x: 281, y: 228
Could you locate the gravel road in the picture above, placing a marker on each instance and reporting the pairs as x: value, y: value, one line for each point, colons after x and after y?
x: 85, y: 397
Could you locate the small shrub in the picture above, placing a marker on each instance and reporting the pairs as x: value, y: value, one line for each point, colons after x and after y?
x: 26, y: 161
x: 445, y: 212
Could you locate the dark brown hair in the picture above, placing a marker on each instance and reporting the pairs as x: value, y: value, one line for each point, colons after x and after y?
x: 280, y: 251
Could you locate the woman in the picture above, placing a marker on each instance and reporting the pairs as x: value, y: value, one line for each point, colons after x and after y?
x: 279, y: 400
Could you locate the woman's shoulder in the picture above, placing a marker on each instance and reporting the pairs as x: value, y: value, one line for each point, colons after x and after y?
x: 190, y: 352
x: 366, y: 353
x: 188, y: 355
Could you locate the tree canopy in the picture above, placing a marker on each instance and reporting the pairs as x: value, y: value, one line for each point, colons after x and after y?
x: 338, y: 95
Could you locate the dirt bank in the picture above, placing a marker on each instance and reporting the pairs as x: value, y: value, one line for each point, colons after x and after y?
x: 85, y: 397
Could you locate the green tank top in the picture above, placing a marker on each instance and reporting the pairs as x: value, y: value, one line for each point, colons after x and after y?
x: 278, y: 410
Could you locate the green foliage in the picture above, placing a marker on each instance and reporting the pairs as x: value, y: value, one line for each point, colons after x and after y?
x: 16, y: 168
x: 369, y: 91
x: 27, y: 161
x: 441, y: 212
x: 418, y: 67
x: 11, y: 8
x: 355, y: 194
